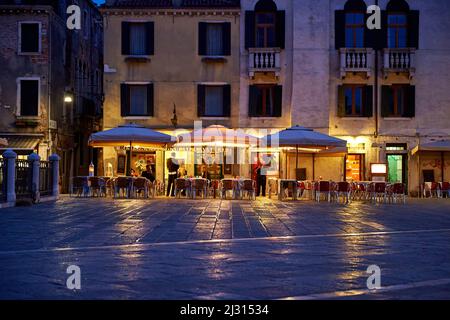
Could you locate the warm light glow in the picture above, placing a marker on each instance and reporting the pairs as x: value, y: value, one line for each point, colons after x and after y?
x: 68, y: 99
x: 378, y: 168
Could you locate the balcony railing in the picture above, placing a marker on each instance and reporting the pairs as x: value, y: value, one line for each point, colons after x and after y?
x: 264, y: 60
x: 356, y: 60
x: 399, y: 61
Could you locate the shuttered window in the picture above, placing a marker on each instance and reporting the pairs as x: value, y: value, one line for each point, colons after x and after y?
x: 398, y: 101
x: 136, y: 100
x: 29, y: 38
x: 265, y: 101
x: 355, y: 101
x: 214, y: 39
x: 265, y: 29
x: 138, y: 38
x: 214, y: 100
x: 29, y: 97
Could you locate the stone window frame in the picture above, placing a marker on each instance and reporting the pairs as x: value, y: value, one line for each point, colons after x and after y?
x: 19, y: 32
x: 19, y: 100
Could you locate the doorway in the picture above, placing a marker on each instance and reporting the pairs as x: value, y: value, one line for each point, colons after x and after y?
x: 397, y: 168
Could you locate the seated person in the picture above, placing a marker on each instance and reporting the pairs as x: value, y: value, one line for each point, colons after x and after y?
x: 148, y: 173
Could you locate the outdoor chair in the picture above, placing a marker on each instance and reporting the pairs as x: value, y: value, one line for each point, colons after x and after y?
x: 80, y: 187
x: 273, y: 187
x: 97, y: 187
x: 226, y: 186
x: 301, y: 187
x: 396, y: 192
x: 213, y: 188
x: 248, y: 188
x: 323, y: 188
x: 344, y: 190
x: 122, y: 187
x: 431, y: 189
x: 140, y: 187
x: 378, y: 191
x: 199, y: 186
x: 182, y: 186
x: 445, y: 190
x: 287, y: 189
x: 109, y: 185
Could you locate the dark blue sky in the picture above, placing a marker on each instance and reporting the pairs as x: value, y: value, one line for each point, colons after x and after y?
x: 99, y: 1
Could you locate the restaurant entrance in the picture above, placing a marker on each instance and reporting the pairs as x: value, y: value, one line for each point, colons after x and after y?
x: 354, y: 167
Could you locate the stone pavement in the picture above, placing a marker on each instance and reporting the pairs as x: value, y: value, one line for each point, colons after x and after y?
x: 213, y: 249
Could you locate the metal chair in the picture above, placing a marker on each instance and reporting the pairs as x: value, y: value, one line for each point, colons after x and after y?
x: 344, y: 190
x: 323, y: 188
x: 227, y: 185
x: 122, y: 186
x: 140, y: 186
x: 97, y: 187
x: 248, y: 187
x: 80, y: 187
x: 199, y: 186
x: 182, y: 185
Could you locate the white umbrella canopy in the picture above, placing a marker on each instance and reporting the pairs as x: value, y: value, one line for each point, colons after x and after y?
x: 302, y: 137
x: 216, y: 136
x: 130, y: 134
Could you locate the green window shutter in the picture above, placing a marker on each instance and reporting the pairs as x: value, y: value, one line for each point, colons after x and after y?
x: 124, y: 100
x: 413, y: 29
x: 150, y: 33
x: 368, y: 102
x: 253, y: 101
x: 150, y: 100
x: 410, y: 111
x: 125, y: 38
x: 278, y: 101
x: 341, y: 101
x: 201, y: 100
x: 202, y: 29
x: 226, y: 39
x: 339, y: 29
x: 281, y: 29
x: 249, y: 29
x: 386, y: 98
x: 227, y: 100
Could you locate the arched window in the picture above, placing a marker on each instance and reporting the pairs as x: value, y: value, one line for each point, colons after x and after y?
x: 355, y: 11
x: 397, y: 20
x: 265, y: 26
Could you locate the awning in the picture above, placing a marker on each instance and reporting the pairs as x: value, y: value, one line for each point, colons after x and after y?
x: 437, y: 146
x: 3, y: 142
x: 20, y: 142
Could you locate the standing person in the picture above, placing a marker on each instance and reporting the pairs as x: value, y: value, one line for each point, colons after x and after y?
x: 205, y: 173
x: 172, y: 166
x: 261, y: 180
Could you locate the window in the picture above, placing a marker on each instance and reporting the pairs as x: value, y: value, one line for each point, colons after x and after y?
x: 397, y: 31
x: 355, y: 101
x: 214, y: 39
x: 137, y: 38
x: 354, y: 167
x: 265, y: 101
x: 265, y: 30
x: 30, y: 39
x: 137, y: 100
x: 265, y: 27
x: 214, y: 100
x: 398, y: 101
x: 29, y: 98
x: 354, y: 30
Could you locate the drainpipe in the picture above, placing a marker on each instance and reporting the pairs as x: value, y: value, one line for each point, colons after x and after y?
x: 376, y: 88
x: 49, y: 86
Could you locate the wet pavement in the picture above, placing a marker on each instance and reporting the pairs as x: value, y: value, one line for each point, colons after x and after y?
x: 212, y: 249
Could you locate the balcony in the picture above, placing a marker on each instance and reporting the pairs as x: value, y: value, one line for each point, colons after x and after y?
x: 399, y: 61
x: 264, y: 60
x: 356, y: 60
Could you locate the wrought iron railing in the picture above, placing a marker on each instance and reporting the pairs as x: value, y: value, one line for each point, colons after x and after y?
x: 2, y: 180
x: 23, y: 179
x: 45, y: 178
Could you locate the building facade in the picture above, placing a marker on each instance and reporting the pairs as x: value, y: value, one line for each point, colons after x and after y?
x: 312, y: 63
x: 51, y: 84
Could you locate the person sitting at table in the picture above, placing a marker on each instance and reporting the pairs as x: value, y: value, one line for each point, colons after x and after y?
x: 205, y: 174
x: 148, y: 173
x: 133, y: 173
x: 182, y: 172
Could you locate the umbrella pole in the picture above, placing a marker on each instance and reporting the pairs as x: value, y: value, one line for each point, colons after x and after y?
x: 286, y: 166
x: 442, y: 166
x: 129, y: 160
x: 296, y: 162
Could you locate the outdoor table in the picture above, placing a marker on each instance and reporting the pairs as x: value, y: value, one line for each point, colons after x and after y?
x: 283, y: 184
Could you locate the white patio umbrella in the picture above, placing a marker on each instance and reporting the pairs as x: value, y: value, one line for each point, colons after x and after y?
x: 131, y: 134
x: 436, y: 146
x: 302, y: 138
